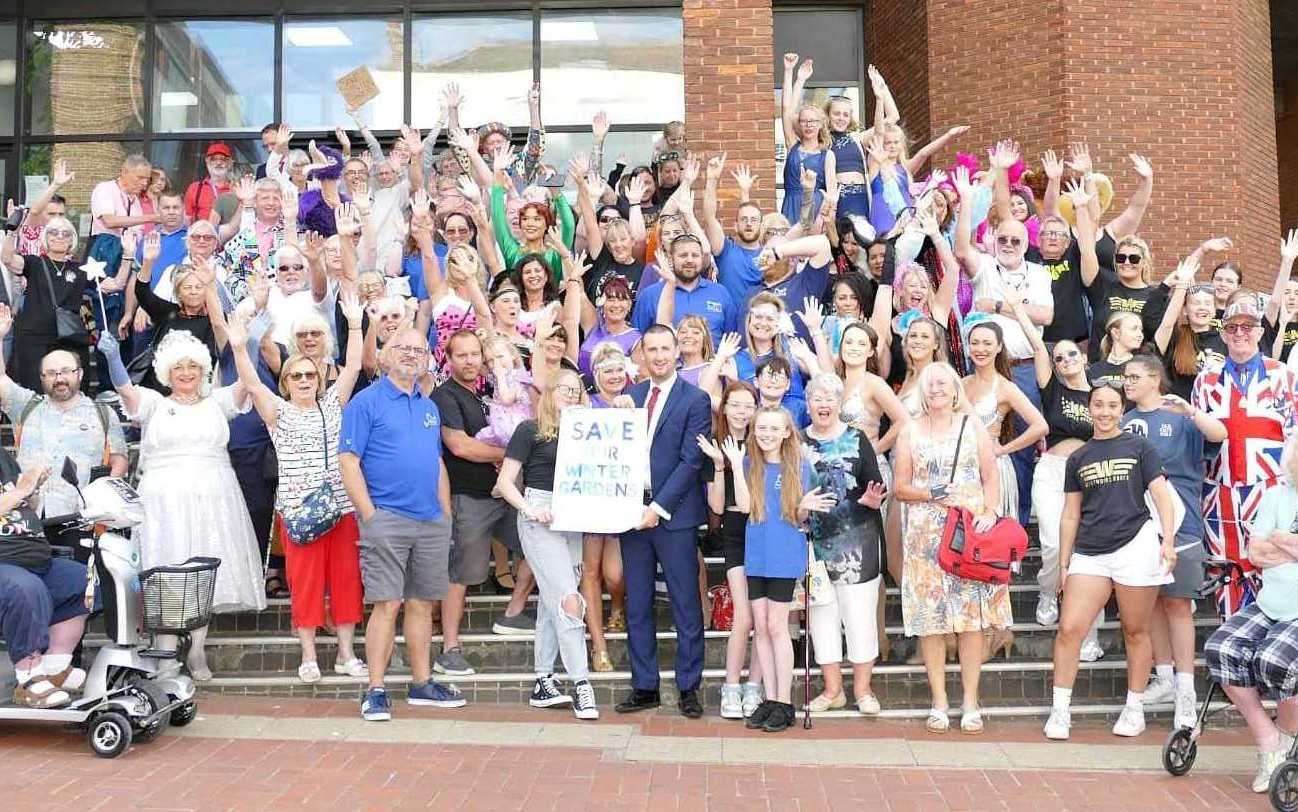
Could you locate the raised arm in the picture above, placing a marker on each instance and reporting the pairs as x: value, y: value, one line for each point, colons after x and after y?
x: 1001, y: 157
x: 61, y: 177
x: 264, y: 400
x: 1128, y: 222
x: 916, y: 162
x: 1085, y: 231
x: 578, y: 168
x: 1288, y: 252
x: 1179, y: 282
x: 791, y: 96
x: 1054, y: 171
x: 965, y: 251
x: 117, y: 373
x: 712, y: 227
x: 1040, y: 354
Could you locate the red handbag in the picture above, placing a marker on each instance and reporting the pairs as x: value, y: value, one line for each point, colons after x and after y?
x: 992, y: 557
x: 723, y: 608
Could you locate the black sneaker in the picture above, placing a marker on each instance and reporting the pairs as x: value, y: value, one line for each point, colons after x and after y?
x: 760, y: 715
x: 780, y: 719
x: 546, y: 693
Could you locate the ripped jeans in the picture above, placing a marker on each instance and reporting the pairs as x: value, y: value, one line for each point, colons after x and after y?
x: 555, y: 559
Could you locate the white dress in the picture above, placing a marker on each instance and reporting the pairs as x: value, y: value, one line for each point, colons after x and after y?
x: 192, y: 502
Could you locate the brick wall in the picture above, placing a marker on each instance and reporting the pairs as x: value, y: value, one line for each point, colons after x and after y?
x: 729, y: 104
x: 1286, y: 136
x: 896, y: 32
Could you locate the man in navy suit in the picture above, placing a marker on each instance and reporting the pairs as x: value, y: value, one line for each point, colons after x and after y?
x: 674, y: 509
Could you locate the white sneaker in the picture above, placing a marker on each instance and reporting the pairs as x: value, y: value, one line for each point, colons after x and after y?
x: 732, y: 702
x: 1267, y: 764
x: 1090, y: 651
x: 1047, y: 609
x: 583, y: 706
x: 1057, y: 726
x: 1131, y: 722
x: 753, y: 696
x: 1187, y: 710
x: 1159, y: 692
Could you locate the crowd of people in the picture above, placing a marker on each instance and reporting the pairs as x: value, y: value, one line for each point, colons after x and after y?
x: 351, y: 364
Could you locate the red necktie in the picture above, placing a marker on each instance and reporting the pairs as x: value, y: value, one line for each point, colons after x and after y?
x: 653, y: 401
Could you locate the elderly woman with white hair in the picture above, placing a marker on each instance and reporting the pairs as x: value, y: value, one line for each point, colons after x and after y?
x: 194, y: 286
x: 192, y: 502
x: 54, y: 281
x: 945, y: 459
x: 847, y: 539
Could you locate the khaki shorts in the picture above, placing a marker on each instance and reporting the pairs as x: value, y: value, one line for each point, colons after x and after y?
x: 404, y: 558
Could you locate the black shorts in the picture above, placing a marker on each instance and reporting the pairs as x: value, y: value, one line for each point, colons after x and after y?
x: 779, y: 590
x: 732, y: 538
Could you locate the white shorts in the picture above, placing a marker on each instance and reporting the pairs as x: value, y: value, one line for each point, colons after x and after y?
x: 1139, y: 562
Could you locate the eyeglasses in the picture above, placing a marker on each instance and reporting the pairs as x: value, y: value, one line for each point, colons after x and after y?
x: 775, y: 377
x: 65, y: 233
x: 305, y: 375
x: 293, y: 267
x: 1202, y: 288
x: 405, y: 349
x: 570, y: 391
x: 456, y: 231
x: 204, y: 237
x: 51, y: 374
x: 1007, y: 240
x: 1128, y: 259
x: 1059, y: 235
x: 355, y: 173
x: 309, y: 334
x: 1067, y: 354
x: 611, y: 219
x: 1238, y: 329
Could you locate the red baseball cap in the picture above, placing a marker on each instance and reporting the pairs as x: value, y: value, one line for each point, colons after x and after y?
x: 219, y: 148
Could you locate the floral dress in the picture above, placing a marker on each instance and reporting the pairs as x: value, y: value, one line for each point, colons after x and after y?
x: 933, y: 602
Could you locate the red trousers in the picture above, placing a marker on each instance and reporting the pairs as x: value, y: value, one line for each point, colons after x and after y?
x: 331, y: 566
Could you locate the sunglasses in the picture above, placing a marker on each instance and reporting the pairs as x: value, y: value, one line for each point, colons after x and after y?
x: 1240, y: 329
x: 203, y: 237
x: 1202, y: 289
x: 1067, y: 354
x: 305, y: 375
x: 65, y: 233
x: 1128, y: 259
x: 309, y: 333
x: 606, y: 220
x: 298, y: 267
x: 1012, y: 241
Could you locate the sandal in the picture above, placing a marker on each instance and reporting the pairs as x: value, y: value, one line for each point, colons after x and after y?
x: 276, y: 588
x: 601, y: 662
x: 938, y: 721
x: 971, y: 721
x: 616, y: 621
x: 309, y: 672
x: 38, y: 692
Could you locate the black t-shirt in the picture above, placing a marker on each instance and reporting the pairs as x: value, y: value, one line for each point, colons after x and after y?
x: 1112, y: 475
x: 1108, y: 295
x: 1269, y: 331
x: 1105, y: 372
x: 464, y: 411
x: 1209, y: 348
x: 1067, y: 412
x: 604, y: 267
x: 67, y: 282
x: 22, y: 537
x: 537, y: 456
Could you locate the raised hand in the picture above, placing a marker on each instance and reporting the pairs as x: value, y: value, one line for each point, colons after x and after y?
x: 734, y: 452
x: 62, y: 175
x: 963, y: 185
x: 790, y: 61
x: 873, y: 495
x: 1142, y: 166
x: 350, y: 304
x: 599, y: 125
x: 130, y: 238
x: 283, y: 135
x: 715, y: 164
x: 451, y: 97
x: 689, y: 170
x: 152, y: 247
x: 340, y: 135
x: 460, y: 138
x: 1076, y: 192
x: 259, y: 290
x: 469, y: 189
x: 1051, y: 165
x: 710, y: 449
x: 664, y: 264
x: 1004, y: 155
x: 236, y: 328
x: 957, y: 131
x: 503, y: 158
x: 877, y: 83
x: 817, y: 501
x: 728, y: 347
x: 807, y: 178
x: 288, y: 204
x: 1289, y: 246
x: 1218, y: 244
x: 347, y: 220
x: 926, y: 219
x: 875, y: 149
x: 635, y: 190
x: 6, y: 320
x: 805, y: 70
x: 246, y: 191
x: 576, y: 267
x: 811, y: 314
x: 578, y: 168
x: 744, y: 178
x: 311, y: 246
x: 554, y: 241
x: 1081, y: 161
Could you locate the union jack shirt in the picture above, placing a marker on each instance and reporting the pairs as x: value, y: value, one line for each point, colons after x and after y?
x: 1258, y: 403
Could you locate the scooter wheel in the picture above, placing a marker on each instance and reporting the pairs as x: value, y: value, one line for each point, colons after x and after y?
x: 184, y: 714
x: 158, y: 699
x: 1179, y: 752
x: 109, y: 734
x: 1284, y: 787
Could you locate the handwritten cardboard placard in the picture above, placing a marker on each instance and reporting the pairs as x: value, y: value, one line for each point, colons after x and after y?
x: 357, y: 88
x: 600, y: 470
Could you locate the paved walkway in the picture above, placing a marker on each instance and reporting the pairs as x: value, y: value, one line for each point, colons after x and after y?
x: 272, y: 754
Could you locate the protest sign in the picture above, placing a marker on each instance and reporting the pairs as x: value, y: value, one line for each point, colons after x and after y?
x: 357, y: 88
x: 600, y: 470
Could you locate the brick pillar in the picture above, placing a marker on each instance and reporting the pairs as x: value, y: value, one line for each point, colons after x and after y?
x: 729, y: 90
x: 896, y: 32
x: 1187, y: 84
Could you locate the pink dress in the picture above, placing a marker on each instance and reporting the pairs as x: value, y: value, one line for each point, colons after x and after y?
x: 503, y: 418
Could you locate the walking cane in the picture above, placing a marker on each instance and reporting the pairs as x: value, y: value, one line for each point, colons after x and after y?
x: 806, y: 650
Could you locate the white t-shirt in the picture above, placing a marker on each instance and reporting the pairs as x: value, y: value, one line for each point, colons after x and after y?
x: 1029, y: 283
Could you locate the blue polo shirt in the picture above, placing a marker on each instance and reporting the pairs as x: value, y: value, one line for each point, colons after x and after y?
x: 708, y: 299
x: 737, y: 269
x: 398, y: 438
x: 412, y: 267
x: 794, y: 291
x: 173, y: 252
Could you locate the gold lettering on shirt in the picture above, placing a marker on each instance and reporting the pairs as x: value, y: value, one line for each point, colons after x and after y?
x: 1106, y: 472
x: 1123, y: 304
x: 1076, y: 412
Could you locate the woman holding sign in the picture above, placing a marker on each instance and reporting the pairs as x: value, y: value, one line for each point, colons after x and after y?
x: 555, y: 556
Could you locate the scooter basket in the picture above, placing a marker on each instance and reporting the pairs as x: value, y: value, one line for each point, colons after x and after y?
x: 177, y: 599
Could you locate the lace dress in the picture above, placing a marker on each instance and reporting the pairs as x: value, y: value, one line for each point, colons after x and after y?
x: 192, y: 502
x: 992, y: 417
x: 933, y: 602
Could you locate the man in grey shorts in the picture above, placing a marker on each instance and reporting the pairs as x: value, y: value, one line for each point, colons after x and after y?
x: 390, y: 452
x: 471, y: 465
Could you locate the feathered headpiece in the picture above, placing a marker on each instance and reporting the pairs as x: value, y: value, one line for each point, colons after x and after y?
x: 329, y: 169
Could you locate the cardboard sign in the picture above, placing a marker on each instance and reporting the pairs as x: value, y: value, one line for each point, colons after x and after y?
x: 600, y: 470
x: 357, y: 88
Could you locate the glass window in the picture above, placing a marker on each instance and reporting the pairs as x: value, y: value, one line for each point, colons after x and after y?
x: 834, y: 38
x: 490, y: 57
x: 636, y: 147
x: 93, y: 162
x: 214, y: 75
x: 318, y: 52
x: 8, y: 76
x: 626, y: 62
x: 183, y: 161
x: 84, y: 78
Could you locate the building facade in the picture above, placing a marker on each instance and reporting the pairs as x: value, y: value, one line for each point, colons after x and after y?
x: 1196, y: 91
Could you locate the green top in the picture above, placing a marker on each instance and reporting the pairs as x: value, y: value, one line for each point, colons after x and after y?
x: 510, y: 247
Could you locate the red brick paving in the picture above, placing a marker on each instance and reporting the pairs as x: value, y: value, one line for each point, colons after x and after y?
x: 49, y: 768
